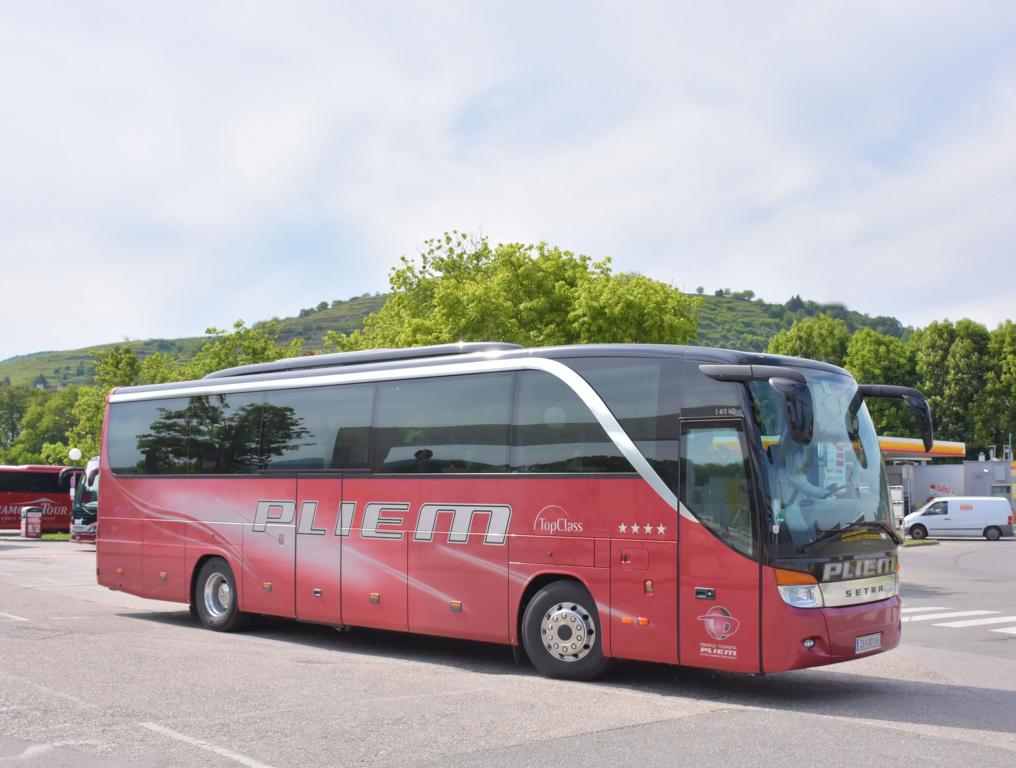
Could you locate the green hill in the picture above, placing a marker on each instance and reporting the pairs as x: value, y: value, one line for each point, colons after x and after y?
x: 77, y: 366
x: 732, y: 320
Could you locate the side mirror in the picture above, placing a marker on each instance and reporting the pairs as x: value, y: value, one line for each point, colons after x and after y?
x: 68, y: 477
x: 914, y: 400
x: 922, y: 412
x: 798, y: 406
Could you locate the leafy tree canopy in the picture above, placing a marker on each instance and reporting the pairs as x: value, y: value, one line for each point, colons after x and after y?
x: 463, y: 289
x: 818, y: 338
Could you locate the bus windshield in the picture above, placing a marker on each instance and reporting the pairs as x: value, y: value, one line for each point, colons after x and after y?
x: 835, y: 480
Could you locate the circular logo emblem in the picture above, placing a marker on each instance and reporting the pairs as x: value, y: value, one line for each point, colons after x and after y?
x: 719, y: 623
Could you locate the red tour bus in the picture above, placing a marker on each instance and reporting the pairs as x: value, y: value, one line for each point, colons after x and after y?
x: 672, y: 504
x: 34, y: 486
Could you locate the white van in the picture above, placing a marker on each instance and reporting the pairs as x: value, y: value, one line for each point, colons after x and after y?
x: 987, y: 516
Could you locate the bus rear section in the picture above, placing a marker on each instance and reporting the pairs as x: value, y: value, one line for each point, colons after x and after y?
x: 34, y: 486
x: 584, y: 503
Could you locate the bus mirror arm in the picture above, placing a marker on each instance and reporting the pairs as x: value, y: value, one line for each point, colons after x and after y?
x: 914, y: 400
x: 789, y: 382
x: 746, y: 373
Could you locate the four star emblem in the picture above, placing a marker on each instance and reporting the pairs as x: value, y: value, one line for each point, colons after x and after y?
x: 648, y: 528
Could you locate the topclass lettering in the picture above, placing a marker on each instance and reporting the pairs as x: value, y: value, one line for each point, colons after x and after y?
x: 386, y: 520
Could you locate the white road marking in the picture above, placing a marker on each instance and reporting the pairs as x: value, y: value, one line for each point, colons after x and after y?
x: 12, y: 617
x: 924, y: 608
x: 1007, y: 630
x: 221, y: 751
x: 34, y: 750
x: 66, y: 618
x: 950, y: 615
x: 978, y: 622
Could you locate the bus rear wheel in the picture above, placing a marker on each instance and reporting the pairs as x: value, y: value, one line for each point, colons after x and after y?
x: 215, y: 597
x: 560, y: 632
x: 918, y: 532
x: 991, y: 533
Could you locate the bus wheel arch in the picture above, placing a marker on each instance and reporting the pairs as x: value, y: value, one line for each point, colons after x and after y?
x: 553, y: 604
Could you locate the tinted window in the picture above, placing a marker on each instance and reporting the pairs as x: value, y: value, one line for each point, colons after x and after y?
x: 702, y: 395
x: 30, y: 482
x: 149, y: 437
x: 224, y: 431
x: 714, y: 483
x: 554, y: 431
x: 445, y: 424
x: 317, y: 428
x: 644, y: 396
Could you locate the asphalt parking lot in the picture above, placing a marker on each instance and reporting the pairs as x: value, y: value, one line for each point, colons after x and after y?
x: 91, y: 677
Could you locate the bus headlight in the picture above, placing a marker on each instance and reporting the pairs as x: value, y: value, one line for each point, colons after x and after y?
x: 798, y: 588
x: 802, y: 595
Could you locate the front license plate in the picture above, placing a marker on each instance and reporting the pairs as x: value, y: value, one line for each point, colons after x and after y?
x: 866, y: 643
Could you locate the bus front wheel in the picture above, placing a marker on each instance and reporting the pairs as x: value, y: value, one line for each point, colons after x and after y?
x: 215, y: 597
x: 561, y: 632
x: 918, y: 532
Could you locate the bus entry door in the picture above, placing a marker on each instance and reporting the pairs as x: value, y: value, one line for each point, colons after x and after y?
x: 718, y: 549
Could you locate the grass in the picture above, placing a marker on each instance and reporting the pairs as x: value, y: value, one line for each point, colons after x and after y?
x: 56, y: 536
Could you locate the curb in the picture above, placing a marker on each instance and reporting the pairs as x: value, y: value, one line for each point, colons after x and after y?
x: 920, y: 542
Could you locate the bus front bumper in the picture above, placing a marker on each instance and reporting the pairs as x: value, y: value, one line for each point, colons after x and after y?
x: 795, y: 638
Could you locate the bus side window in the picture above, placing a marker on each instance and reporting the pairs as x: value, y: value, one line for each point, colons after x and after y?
x: 554, y: 431
x: 714, y: 483
x: 448, y: 424
x: 315, y: 428
x: 149, y: 437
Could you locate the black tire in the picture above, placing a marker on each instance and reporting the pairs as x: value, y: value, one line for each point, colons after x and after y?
x: 573, y: 649
x: 215, y: 597
x: 918, y: 532
x: 992, y: 533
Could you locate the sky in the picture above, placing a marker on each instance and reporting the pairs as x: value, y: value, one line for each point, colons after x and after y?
x: 166, y: 167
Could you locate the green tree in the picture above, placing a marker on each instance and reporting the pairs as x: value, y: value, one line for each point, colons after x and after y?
x: 461, y: 289
x: 873, y: 358
x: 158, y: 368
x: 995, y: 415
x: 241, y: 346
x: 952, y: 367
x: 46, y: 421
x: 14, y: 402
x: 818, y: 338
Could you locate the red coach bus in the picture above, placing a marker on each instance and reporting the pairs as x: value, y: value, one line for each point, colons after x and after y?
x: 673, y: 504
x: 34, y: 486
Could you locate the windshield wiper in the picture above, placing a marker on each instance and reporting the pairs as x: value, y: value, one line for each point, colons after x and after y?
x: 849, y: 527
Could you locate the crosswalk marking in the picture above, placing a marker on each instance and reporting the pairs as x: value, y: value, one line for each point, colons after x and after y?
x: 924, y: 608
x: 1007, y: 630
x: 978, y: 622
x: 949, y: 615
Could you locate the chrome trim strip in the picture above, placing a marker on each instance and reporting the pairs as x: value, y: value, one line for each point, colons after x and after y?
x: 559, y: 370
x: 836, y: 594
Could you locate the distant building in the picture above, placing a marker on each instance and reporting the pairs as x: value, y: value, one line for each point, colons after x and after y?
x: 41, y: 382
x: 910, y: 467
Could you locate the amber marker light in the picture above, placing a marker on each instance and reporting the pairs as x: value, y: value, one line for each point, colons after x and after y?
x: 799, y: 589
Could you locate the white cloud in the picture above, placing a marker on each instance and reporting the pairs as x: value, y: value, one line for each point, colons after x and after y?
x: 168, y: 170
